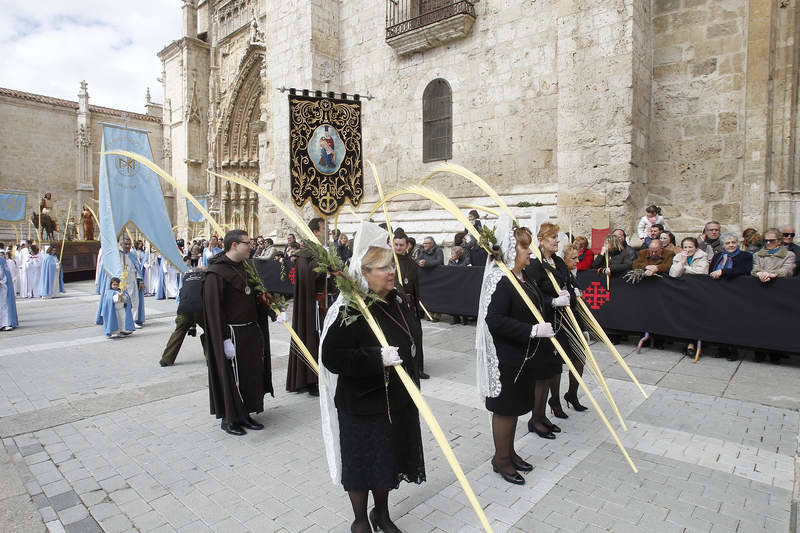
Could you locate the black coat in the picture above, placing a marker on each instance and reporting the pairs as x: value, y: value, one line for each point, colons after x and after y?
x: 537, y: 274
x: 353, y: 352
x: 510, y: 322
x: 742, y: 265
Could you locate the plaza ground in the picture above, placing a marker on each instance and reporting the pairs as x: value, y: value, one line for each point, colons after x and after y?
x: 98, y: 437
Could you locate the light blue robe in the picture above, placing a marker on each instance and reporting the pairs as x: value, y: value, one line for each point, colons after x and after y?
x: 103, y: 281
x: 107, y: 315
x: 47, y: 286
x: 11, y: 299
x: 161, y: 290
x: 204, y: 257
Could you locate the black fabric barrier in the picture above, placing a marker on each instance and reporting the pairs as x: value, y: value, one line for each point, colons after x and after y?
x: 741, y: 311
x: 270, y: 274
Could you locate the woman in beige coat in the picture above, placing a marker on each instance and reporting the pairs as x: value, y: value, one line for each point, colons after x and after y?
x: 691, y: 259
x: 774, y: 260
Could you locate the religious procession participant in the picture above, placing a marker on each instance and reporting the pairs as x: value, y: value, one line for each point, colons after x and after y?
x: 22, y: 255
x: 190, y: 315
x: 210, y: 251
x: 47, y: 285
x: 8, y: 300
x: 373, y: 439
x: 239, y: 367
x: 410, y: 283
x: 12, y: 268
x: 114, y: 313
x: 134, y: 284
x: 32, y: 273
x: 170, y: 279
x: 553, y: 301
x: 513, y: 356
x: 310, y: 307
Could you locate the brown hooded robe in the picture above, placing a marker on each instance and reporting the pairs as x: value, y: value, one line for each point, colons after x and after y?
x: 307, y: 285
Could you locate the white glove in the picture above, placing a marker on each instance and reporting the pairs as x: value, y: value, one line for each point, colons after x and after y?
x: 562, y: 300
x: 281, y: 318
x: 390, y: 356
x: 542, y: 331
x: 229, y: 348
x: 578, y: 293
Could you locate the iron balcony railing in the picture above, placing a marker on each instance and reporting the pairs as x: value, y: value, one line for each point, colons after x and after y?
x: 403, y: 16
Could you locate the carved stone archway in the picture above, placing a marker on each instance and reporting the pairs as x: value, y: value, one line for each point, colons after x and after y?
x: 236, y: 147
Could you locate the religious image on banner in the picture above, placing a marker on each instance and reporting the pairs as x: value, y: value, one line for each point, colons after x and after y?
x: 12, y: 206
x: 193, y: 213
x: 325, y: 162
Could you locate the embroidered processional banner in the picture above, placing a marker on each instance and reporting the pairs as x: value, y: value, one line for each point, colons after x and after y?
x: 12, y: 206
x: 325, y: 162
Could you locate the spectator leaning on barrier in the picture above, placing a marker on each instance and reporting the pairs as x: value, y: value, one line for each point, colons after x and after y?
x: 654, y: 259
x: 458, y: 257
x: 619, y: 261
x: 731, y: 261
x: 788, y: 241
x: 774, y: 260
x: 623, y: 239
x: 690, y: 260
x: 710, y: 240
x: 585, y: 255
x: 431, y: 255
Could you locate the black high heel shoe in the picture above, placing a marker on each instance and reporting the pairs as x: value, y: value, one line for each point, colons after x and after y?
x: 514, y: 478
x: 552, y: 427
x: 573, y: 402
x: 520, y: 464
x: 357, y: 527
x: 387, y: 526
x: 544, y: 434
x: 556, y: 409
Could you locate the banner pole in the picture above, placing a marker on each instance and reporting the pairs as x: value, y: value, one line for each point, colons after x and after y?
x: 61, y: 252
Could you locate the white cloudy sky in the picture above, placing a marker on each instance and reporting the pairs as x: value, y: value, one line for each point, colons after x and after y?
x: 49, y: 46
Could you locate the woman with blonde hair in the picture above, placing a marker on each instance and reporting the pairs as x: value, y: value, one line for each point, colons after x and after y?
x: 372, y: 435
x: 618, y: 262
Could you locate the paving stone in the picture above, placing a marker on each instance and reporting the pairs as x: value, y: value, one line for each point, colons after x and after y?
x: 64, y: 500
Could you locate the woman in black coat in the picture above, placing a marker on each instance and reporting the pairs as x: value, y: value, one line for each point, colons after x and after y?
x: 537, y: 271
x: 379, y: 432
x: 524, y: 357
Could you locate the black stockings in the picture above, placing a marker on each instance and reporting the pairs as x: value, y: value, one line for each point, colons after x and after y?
x: 539, y: 418
x: 359, y: 501
x: 572, y: 392
x: 503, y: 429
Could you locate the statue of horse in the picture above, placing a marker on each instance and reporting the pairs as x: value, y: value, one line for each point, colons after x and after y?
x: 48, y: 225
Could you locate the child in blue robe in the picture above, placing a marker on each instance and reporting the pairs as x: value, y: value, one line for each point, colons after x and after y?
x: 115, y: 311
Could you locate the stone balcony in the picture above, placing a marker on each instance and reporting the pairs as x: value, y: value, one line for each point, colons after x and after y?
x: 414, y: 25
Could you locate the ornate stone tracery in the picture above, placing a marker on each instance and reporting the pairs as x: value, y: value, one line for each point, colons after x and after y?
x: 235, y: 145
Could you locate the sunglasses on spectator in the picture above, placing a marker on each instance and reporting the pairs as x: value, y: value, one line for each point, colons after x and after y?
x: 788, y: 234
x: 770, y: 240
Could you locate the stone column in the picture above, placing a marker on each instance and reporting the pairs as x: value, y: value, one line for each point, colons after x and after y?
x: 83, y: 144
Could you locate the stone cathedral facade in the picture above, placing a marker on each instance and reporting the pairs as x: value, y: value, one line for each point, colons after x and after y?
x: 584, y: 110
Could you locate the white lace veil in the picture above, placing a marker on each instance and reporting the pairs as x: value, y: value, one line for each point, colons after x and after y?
x: 368, y: 235
x: 487, y: 367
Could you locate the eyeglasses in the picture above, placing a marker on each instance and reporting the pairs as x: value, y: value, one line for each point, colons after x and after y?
x: 788, y: 235
x: 385, y: 269
x: 770, y: 240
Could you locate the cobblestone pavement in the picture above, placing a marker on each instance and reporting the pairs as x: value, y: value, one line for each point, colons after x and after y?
x: 98, y: 437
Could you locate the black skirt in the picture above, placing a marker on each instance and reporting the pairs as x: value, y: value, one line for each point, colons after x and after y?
x: 516, y: 392
x: 377, y: 455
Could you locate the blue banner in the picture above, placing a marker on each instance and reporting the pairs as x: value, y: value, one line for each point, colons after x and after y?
x: 12, y: 206
x: 194, y: 214
x: 131, y: 192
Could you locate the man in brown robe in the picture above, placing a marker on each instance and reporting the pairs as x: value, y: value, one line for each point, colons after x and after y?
x: 408, y: 280
x: 239, y: 369
x: 308, y: 315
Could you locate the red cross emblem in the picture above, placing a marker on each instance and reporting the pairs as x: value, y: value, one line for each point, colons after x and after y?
x: 291, y: 275
x: 595, y: 295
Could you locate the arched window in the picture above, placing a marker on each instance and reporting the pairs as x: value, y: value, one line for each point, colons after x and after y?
x: 437, y: 121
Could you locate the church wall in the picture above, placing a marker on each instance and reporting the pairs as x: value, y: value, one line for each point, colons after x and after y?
x: 699, y: 112
x: 504, y: 84
x: 38, y: 152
